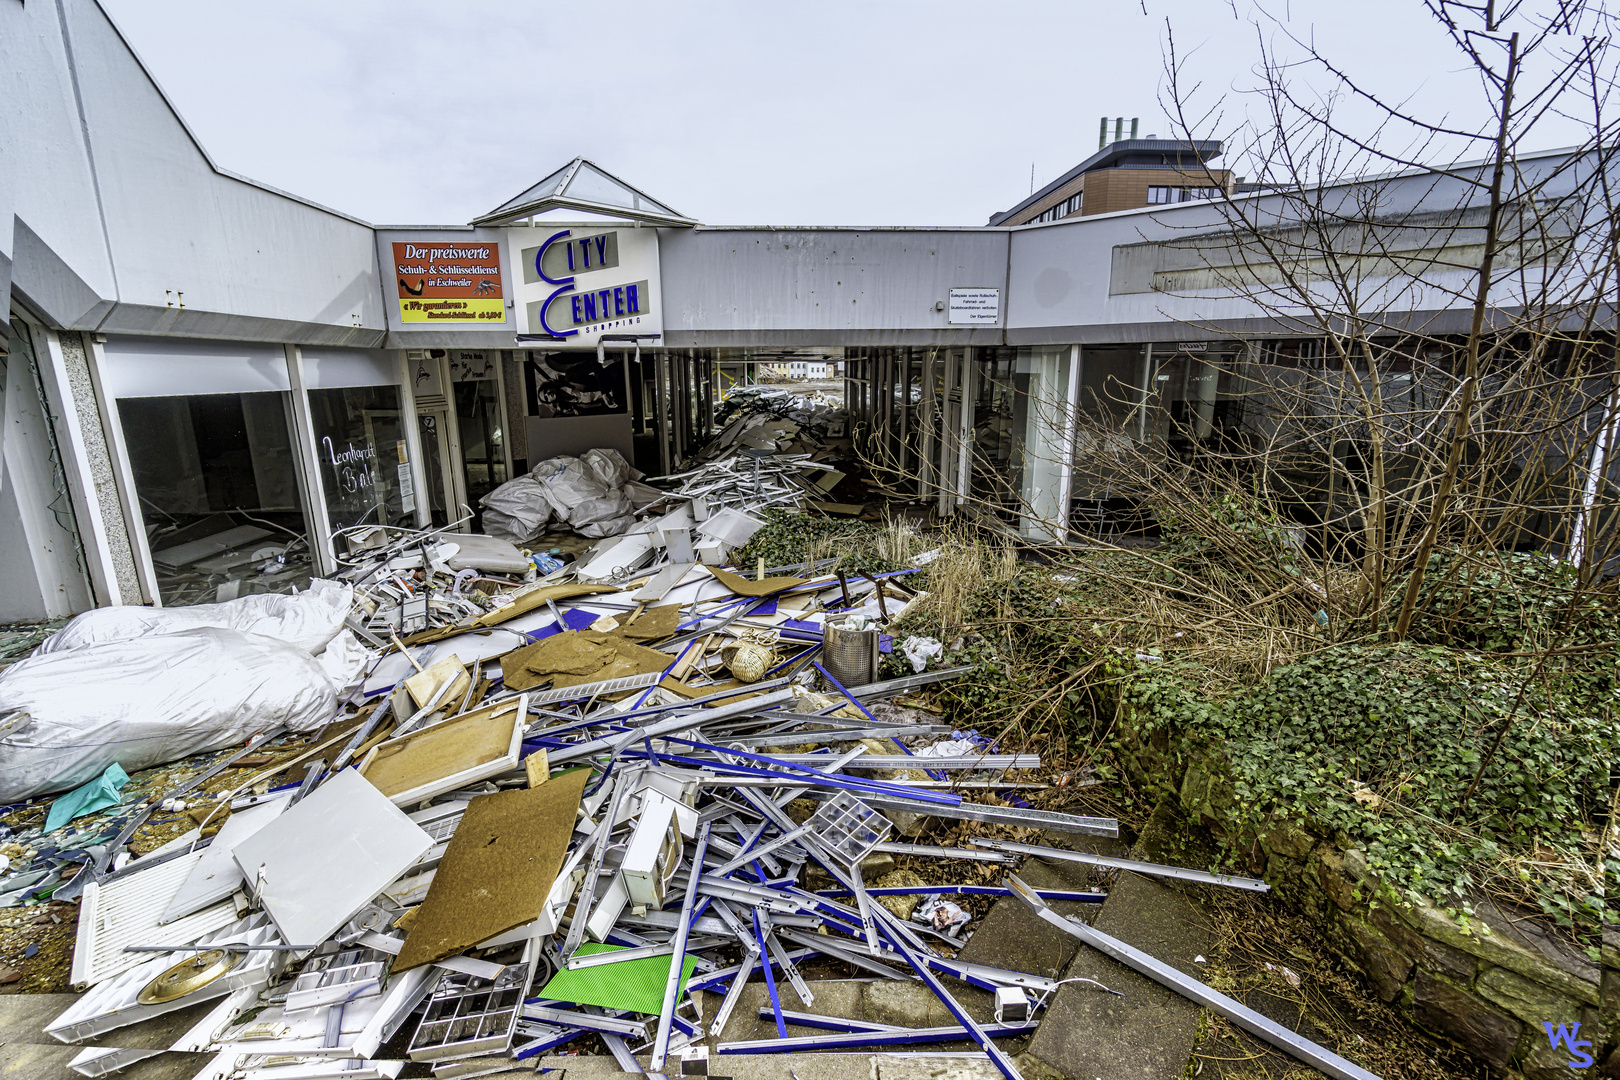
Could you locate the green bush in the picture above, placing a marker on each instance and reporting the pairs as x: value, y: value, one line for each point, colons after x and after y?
x: 1510, y: 601
x: 792, y: 536
x: 1405, y: 726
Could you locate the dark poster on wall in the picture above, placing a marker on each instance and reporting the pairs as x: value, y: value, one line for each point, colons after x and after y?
x: 559, y: 385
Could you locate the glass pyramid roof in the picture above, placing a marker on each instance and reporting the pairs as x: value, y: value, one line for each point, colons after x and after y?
x: 582, y: 186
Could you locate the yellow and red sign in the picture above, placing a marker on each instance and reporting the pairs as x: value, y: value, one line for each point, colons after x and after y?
x: 450, y: 282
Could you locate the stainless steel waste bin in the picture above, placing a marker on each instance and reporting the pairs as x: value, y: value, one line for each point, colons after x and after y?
x: 851, y: 656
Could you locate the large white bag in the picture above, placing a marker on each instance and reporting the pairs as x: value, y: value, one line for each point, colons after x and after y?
x: 517, y: 510
x: 66, y: 715
x: 307, y: 619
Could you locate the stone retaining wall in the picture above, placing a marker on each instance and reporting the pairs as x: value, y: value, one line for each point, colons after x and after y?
x: 1489, y: 987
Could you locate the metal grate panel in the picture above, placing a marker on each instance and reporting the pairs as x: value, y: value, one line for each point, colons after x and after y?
x: 125, y: 911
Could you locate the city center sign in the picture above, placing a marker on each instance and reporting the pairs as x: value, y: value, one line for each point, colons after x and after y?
x: 580, y: 283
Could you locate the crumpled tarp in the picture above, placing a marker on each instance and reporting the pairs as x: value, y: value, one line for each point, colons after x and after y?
x: 308, y: 619
x: 66, y: 715
x: 98, y: 794
x: 594, y: 495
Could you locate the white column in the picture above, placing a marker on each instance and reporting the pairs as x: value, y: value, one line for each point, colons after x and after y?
x: 966, y: 420
x: 1049, y: 442
x: 308, y: 459
x: 413, y: 443
x: 81, y: 482
x: 95, y: 355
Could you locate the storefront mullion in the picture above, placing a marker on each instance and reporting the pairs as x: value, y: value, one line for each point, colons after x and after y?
x: 307, y: 465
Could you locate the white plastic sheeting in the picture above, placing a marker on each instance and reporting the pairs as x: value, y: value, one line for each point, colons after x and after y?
x: 308, y: 619
x: 591, y: 495
x: 66, y: 715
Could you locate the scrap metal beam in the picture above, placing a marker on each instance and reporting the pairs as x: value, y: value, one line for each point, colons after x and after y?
x: 1180, y: 873
x: 1262, y: 1027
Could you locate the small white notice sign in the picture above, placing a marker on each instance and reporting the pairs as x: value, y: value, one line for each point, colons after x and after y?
x: 975, y: 306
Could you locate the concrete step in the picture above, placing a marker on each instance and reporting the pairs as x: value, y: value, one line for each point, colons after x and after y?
x: 1149, y: 1033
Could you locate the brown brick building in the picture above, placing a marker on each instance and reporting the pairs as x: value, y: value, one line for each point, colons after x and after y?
x: 1124, y: 175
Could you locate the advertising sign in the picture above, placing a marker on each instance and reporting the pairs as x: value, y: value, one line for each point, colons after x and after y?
x: 580, y: 283
x: 446, y: 282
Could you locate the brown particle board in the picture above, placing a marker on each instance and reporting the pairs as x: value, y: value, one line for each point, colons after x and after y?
x: 497, y: 870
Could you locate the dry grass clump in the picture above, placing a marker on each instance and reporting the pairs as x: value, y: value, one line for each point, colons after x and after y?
x: 968, y: 564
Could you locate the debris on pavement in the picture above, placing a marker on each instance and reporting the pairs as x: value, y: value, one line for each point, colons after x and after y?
x: 531, y: 809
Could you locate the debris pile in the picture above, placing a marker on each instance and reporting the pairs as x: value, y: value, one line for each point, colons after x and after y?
x: 571, y: 809
x: 775, y: 421
x: 594, y: 495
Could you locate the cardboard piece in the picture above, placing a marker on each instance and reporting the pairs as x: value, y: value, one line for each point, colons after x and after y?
x: 537, y: 768
x: 561, y: 654
x: 425, y: 683
x: 525, y: 603
x: 653, y: 624
x: 578, y: 657
x: 497, y: 870
x: 743, y: 587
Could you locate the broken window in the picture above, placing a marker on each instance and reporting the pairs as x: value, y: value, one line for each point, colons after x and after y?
x: 217, y: 482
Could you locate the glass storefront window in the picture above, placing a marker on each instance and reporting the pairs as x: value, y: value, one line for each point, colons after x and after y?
x: 218, y: 488
x: 360, y: 448
x: 478, y: 418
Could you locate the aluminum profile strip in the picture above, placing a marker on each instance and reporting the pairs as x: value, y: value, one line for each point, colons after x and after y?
x: 869, y: 691
x: 1024, y: 817
x: 851, y: 1039
x: 1180, y: 873
x: 835, y: 733
x: 548, y: 1014
x: 970, y: 854
x: 125, y: 911
x: 910, y: 761
x: 1262, y: 1027
x: 114, y: 1003
x: 828, y: 1023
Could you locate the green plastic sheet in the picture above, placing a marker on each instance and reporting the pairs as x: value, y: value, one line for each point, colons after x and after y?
x: 637, y: 985
x: 98, y: 794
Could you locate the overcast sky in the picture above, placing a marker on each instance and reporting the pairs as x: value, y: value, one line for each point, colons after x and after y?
x: 849, y: 113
